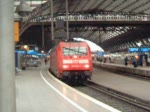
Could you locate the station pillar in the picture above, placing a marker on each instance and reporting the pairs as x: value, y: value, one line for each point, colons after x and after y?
x: 7, y: 57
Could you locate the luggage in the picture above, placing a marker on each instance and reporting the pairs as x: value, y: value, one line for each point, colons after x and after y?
x: 134, y: 64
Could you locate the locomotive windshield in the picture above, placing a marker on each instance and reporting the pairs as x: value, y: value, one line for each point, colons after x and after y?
x: 75, y: 51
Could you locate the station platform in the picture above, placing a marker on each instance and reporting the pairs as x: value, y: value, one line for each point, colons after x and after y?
x: 128, y: 85
x: 139, y: 70
x: 38, y: 91
x: 135, y: 87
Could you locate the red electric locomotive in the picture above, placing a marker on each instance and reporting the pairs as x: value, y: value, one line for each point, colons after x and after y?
x: 71, y: 61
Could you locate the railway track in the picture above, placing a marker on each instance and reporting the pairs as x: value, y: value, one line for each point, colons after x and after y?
x: 125, y: 97
x: 117, y: 95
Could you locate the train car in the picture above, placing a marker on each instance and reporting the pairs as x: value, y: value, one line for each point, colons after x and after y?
x: 71, y: 61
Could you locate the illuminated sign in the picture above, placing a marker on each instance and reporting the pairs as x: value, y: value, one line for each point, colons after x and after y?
x: 101, y: 53
x: 31, y: 52
x: 145, y: 49
x: 133, y: 49
x: 21, y: 51
x: 39, y: 54
x: 24, y: 47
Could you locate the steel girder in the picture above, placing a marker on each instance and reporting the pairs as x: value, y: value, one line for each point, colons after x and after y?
x: 117, y: 39
x: 126, y: 40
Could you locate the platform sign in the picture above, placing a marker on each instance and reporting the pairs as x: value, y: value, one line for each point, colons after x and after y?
x: 36, y: 48
x: 31, y: 52
x: 135, y: 49
x: 145, y: 49
x: 21, y: 51
x: 16, y: 31
x: 101, y: 53
x: 39, y: 55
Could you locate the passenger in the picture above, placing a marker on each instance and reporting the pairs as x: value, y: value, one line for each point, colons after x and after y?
x: 109, y: 60
x: 105, y: 60
x: 45, y: 61
x: 126, y: 60
x: 134, y: 61
x: 146, y: 59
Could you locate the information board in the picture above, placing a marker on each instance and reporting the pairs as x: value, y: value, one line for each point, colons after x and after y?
x: 135, y: 49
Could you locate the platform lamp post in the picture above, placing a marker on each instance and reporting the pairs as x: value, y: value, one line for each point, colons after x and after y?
x: 139, y: 45
x: 139, y: 53
x: 26, y: 48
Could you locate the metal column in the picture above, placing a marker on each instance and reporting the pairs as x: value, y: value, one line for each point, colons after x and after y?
x: 7, y: 57
x: 43, y: 40
x: 52, y: 20
x: 67, y: 23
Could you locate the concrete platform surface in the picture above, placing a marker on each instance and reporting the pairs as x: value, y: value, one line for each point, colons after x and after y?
x: 37, y: 91
x: 129, y: 85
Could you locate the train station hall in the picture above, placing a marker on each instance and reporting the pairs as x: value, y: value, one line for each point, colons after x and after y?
x: 75, y: 56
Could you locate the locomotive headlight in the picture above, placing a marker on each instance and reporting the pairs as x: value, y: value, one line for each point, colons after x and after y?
x: 86, y: 66
x: 65, y: 66
x: 75, y: 56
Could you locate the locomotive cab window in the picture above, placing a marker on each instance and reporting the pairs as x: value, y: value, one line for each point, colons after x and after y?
x: 74, y: 51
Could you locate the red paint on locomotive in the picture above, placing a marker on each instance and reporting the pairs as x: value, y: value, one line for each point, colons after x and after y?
x: 71, y: 59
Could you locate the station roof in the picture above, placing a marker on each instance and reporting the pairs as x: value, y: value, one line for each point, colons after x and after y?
x: 33, y: 3
x: 131, y: 7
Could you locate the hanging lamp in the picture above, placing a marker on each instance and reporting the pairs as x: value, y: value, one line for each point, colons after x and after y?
x: 23, y: 9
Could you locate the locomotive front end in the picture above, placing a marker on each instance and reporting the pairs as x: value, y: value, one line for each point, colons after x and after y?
x: 77, y: 62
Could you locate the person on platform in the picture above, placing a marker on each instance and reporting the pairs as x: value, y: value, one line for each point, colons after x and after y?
x: 126, y: 60
x: 134, y: 61
x: 45, y: 60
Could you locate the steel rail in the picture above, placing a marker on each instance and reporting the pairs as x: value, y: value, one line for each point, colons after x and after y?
x: 119, y: 95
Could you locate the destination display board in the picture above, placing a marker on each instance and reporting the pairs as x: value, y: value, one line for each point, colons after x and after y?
x: 21, y: 51
x: 31, y: 52
x: 134, y: 49
x: 145, y: 49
